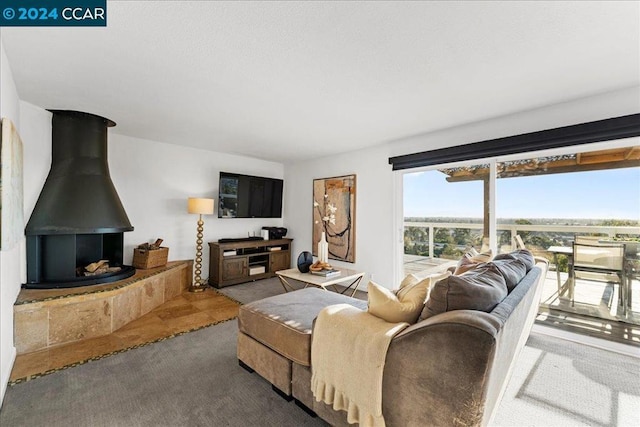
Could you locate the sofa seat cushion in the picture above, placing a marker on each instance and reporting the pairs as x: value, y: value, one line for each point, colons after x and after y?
x: 284, y: 322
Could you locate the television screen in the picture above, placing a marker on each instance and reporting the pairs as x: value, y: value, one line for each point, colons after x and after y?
x: 246, y: 196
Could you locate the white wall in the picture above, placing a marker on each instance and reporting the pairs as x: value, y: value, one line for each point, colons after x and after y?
x: 598, y: 107
x: 154, y: 181
x: 374, y: 208
x: 11, y: 259
x: 36, y: 130
x: 378, y: 189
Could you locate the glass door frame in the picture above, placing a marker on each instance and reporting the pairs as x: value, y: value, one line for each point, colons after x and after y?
x: 398, y: 186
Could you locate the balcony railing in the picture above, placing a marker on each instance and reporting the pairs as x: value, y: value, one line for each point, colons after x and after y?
x: 569, y: 230
x: 593, y: 301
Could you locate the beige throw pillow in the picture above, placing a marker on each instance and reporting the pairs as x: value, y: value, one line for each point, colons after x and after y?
x: 406, y: 304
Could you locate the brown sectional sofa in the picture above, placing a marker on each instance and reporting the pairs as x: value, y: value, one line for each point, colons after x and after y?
x: 448, y: 369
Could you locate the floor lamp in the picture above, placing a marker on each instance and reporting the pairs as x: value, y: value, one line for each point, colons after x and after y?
x: 200, y: 207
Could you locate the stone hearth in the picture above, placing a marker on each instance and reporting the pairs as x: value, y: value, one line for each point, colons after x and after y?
x: 48, y: 318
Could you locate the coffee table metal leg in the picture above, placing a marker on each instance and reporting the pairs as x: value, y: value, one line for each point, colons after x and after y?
x: 286, y: 285
x: 355, y: 288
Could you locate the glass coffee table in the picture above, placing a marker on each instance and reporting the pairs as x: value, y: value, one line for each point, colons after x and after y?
x: 353, y: 277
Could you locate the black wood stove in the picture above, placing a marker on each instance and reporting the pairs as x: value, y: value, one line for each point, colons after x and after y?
x: 78, y: 218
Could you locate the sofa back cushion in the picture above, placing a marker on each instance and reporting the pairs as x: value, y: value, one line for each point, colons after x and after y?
x: 479, y: 289
x: 522, y: 254
x: 513, y: 270
x: 469, y: 261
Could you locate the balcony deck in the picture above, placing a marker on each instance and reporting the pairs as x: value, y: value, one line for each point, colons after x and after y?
x: 422, y: 265
x: 592, y: 298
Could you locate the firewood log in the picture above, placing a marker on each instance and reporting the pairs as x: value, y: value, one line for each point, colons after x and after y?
x: 96, y: 265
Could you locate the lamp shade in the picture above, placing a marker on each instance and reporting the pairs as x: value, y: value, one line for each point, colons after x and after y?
x: 200, y: 206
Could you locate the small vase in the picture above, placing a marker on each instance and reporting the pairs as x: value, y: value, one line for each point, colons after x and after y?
x: 323, y: 249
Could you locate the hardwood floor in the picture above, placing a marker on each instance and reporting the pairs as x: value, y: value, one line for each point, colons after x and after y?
x: 184, y: 313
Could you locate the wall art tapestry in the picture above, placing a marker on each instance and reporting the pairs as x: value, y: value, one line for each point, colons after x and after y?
x: 334, y: 212
x: 11, y: 202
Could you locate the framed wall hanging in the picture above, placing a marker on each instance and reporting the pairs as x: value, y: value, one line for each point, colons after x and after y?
x: 334, y: 213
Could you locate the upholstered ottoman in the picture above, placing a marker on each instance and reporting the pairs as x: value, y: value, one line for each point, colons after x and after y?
x: 275, y: 332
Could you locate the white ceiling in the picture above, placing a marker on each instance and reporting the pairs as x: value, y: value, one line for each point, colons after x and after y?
x: 292, y: 80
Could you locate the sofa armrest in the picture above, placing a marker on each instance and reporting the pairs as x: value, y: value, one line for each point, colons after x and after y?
x: 452, y: 368
x: 436, y: 370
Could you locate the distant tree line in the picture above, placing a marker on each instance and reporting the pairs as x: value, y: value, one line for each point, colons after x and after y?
x: 452, y: 243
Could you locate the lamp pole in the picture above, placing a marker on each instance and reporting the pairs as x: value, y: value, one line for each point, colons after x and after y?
x: 197, y: 285
x: 200, y: 207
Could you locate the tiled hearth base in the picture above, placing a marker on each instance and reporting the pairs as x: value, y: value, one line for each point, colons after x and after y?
x: 184, y: 313
x: 48, y: 318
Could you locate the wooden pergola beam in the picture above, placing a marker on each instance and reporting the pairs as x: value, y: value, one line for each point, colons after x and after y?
x: 582, y: 162
x: 522, y: 170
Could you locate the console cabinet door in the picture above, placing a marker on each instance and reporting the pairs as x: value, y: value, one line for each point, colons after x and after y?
x: 280, y: 261
x: 234, y: 268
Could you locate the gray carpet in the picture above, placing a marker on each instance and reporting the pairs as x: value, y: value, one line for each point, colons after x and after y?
x: 561, y: 383
x: 194, y: 380
x: 253, y: 291
x: 190, y: 380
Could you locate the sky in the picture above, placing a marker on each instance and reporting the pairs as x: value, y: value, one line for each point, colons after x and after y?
x: 607, y: 194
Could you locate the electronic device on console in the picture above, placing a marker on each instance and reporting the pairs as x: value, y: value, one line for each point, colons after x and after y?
x: 239, y: 239
x: 276, y: 232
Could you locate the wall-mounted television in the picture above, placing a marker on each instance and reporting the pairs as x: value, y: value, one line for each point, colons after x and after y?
x: 246, y: 196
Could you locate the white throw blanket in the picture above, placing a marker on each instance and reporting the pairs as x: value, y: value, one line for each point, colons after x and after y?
x: 348, y: 352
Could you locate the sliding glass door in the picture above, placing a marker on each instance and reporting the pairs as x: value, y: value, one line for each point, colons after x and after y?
x: 553, y: 203
x: 443, y: 218
x: 581, y: 211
